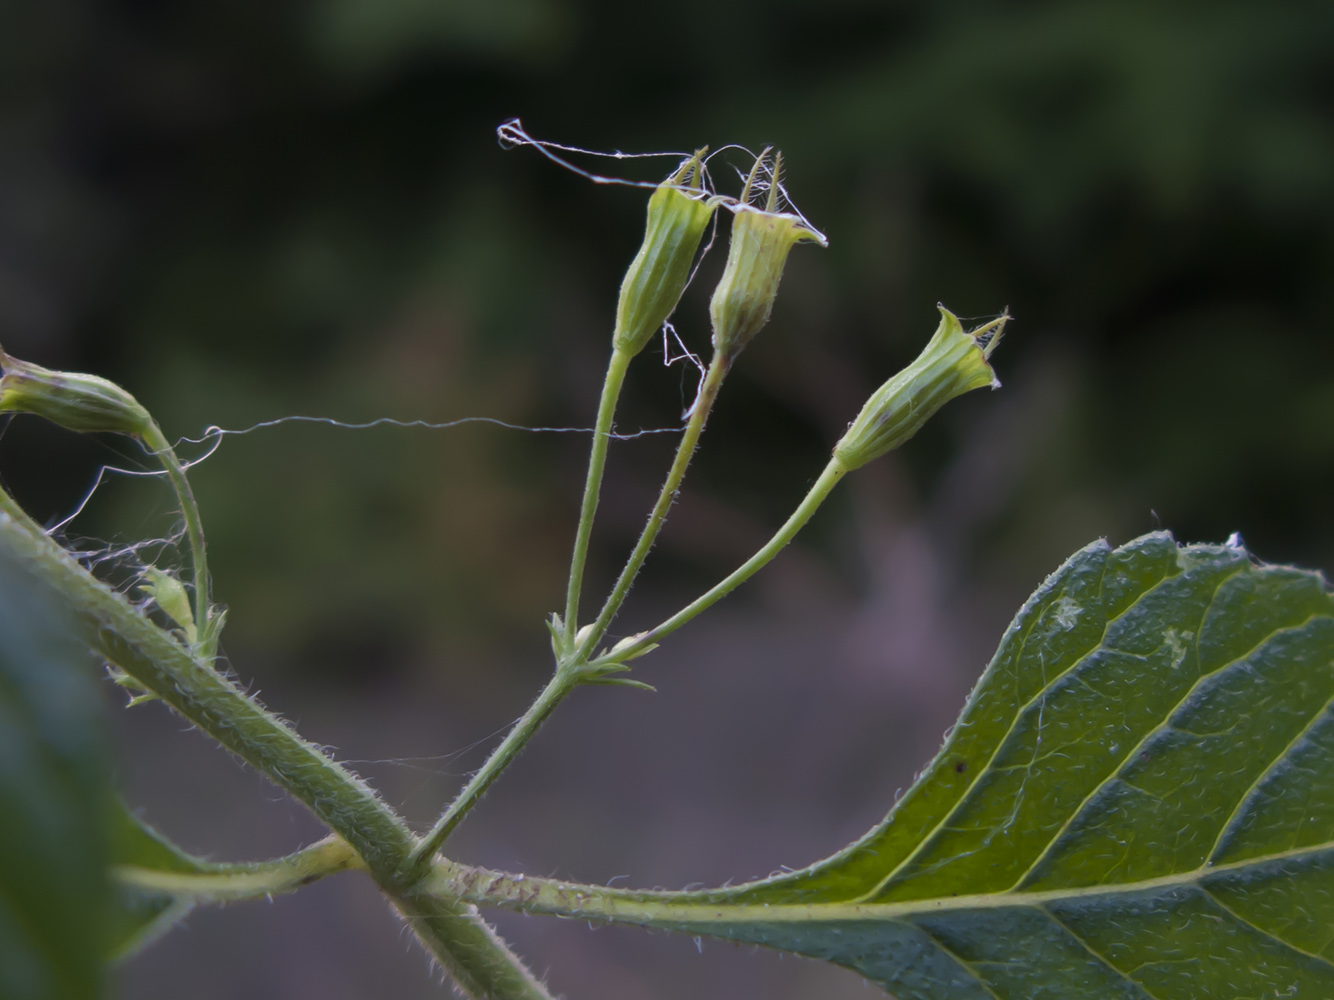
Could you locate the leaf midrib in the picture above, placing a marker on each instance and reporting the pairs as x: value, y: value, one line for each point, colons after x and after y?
x: 541, y: 895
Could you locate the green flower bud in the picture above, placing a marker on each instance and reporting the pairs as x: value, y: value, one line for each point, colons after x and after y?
x: 77, y: 402
x: 758, y: 250
x: 678, y: 214
x: 954, y: 362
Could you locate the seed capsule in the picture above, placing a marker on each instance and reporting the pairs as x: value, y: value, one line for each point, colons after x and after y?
x: 954, y: 362
x: 679, y: 211
x: 761, y: 239
x: 77, y: 402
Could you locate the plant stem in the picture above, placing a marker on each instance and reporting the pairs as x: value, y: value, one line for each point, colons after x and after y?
x: 561, y: 684
x: 817, y: 494
x: 708, y: 393
x: 597, y: 460
x: 476, y: 958
x: 227, y: 882
x: 117, y: 630
x: 156, y: 442
x: 480, y: 962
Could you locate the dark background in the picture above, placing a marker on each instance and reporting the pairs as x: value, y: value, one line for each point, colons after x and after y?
x: 242, y: 210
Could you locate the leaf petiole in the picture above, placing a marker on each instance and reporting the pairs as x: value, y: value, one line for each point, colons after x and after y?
x: 229, y: 882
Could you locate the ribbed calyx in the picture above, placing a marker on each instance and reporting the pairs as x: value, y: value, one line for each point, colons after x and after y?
x: 679, y: 210
x: 954, y: 362
x: 756, y: 255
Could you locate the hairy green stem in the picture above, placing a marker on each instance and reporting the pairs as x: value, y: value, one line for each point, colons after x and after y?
x: 480, y: 963
x: 156, y: 442
x: 484, y: 968
x: 561, y: 684
x: 708, y: 393
x: 227, y: 882
x: 817, y: 494
x: 124, y: 635
x: 597, y: 460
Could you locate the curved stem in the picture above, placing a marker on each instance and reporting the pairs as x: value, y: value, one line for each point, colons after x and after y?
x: 156, y: 442
x: 561, y: 684
x: 708, y: 393
x: 817, y: 494
x: 597, y: 460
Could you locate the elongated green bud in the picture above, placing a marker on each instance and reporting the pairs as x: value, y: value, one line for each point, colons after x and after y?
x: 77, y: 402
x: 679, y: 211
x: 954, y: 362
x: 761, y: 239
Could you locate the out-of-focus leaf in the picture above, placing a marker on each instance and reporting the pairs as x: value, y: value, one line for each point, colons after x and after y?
x: 54, y: 893
x: 142, y: 914
x: 375, y: 36
x: 157, y: 883
x: 1137, y: 802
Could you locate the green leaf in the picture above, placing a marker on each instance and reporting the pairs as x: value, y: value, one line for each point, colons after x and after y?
x: 1137, y: 802
x: 54, y: 789
x: 158, y: 884
x: 144, y: 913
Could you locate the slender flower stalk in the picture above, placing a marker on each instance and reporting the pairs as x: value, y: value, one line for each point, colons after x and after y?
x: 636, y: 645
x: 207, y: 623
x: 597, y: 460
x: 685, y: 451
x: 561, y: 684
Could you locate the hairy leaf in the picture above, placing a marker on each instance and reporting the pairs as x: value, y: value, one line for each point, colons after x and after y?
x: 1137, y: 802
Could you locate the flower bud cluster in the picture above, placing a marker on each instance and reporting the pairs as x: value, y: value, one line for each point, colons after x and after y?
x: 680, y: 209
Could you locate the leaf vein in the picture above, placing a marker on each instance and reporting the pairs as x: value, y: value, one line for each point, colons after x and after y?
x: 966, y: 965
x: 1096, y: 955
x: 1237, y: 811
x: 1276, y: 938
x: 1017, y: 714
x: 1138, y: 748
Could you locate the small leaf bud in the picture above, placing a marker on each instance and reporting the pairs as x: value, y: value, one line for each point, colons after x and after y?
x: 954, y: 362
x: 678, y: 213
x: 77, y: 402
x: 761, y: 239
x: 169, y: 595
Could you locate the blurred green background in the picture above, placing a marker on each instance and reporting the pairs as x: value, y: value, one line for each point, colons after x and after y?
x: 242, y: 210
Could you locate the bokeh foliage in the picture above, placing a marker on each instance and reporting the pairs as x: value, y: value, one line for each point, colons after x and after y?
x: 244, y: 210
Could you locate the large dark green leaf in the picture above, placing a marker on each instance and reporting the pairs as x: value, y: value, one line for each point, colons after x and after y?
x: 1137, y: 802
x: 54, y: 893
